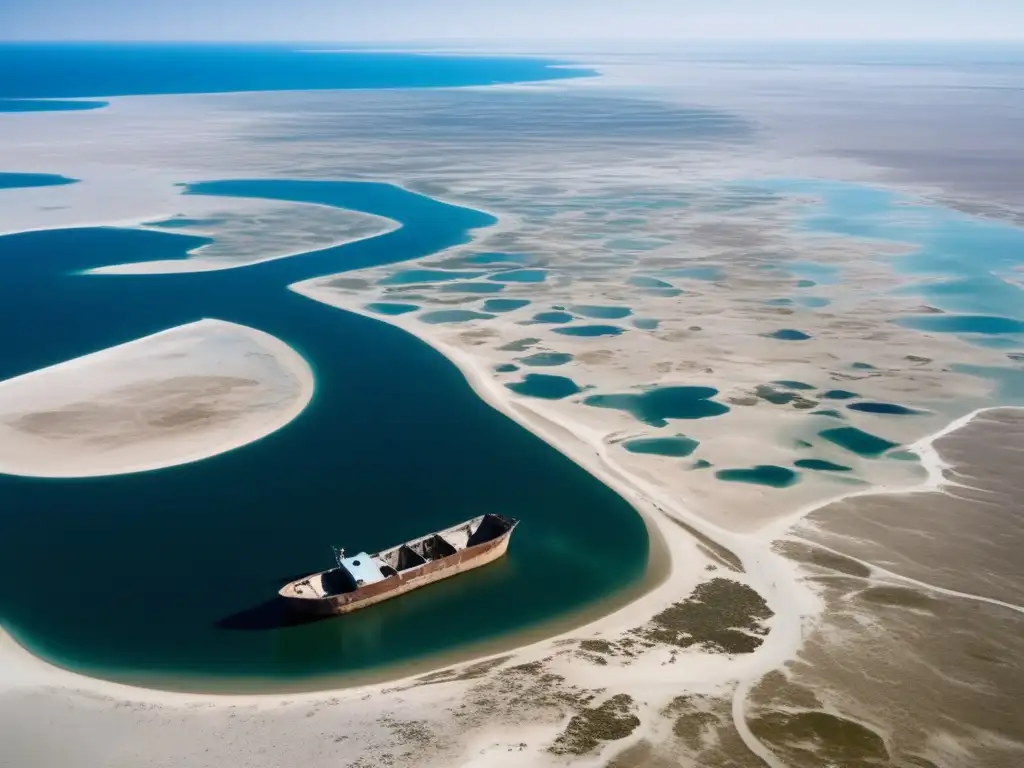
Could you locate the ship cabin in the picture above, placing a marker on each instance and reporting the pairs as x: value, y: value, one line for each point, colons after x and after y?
x: 362, y: 569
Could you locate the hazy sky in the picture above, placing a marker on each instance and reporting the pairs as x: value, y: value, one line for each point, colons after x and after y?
x: 381, y: 20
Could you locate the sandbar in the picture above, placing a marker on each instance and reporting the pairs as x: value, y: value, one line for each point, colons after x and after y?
x: 174, y: 397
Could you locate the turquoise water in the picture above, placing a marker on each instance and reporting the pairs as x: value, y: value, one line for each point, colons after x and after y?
x: 453, y: 316
x: 763, y: 474
x: 545, y: 386
x: 498, y: 258
x: 958, y: 263
x: 521, y: 276
x: 387, y: 308
x: 394, y: 444
x: 504, y: 305
x: 857, y: 441
x: 49, y: 105
x: 633, y: 244
x: 27, y: 180
x: 903, y: 456
x: 964, y: 324
x: 552, y: 317
x: 657, y: 404
x: 75, y: 70
x: 813, y: 302
x: 546, y: 359
x: 646, y: 323
x: 506, y: 368
x: 588, y: 330
x: 678, y: 446
x: 601, y: 313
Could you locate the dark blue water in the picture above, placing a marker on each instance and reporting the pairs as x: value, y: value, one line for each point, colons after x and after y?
x: 75, y: 70
x: 393, y: 445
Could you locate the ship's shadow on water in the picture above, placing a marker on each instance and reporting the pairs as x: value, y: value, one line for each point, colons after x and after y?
x: 272, y: 614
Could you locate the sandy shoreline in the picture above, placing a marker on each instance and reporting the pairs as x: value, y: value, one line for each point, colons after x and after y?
x: 793, y: 604
x: 668, y: 547
x: 174, y: 397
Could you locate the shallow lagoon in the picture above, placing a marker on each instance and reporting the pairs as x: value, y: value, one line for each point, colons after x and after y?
x: 546, y: 359
x: 545, y: 386
x: 763, y: 474
x: 504, y: 305
x: 971, y: 253
x: 28, y: 180
x: 438, y: 316
x: 601, y: 313
x: 388, y: 308
x: 891, y: 409
x: 552, y: 317
x: 656, y: 405
x: 677, y: 446
x: 351, y: 465
x: 857, y: 441
x: 788, y: 334
x: 521, y: 276
x: 589, y: 330
x: 821, y: 465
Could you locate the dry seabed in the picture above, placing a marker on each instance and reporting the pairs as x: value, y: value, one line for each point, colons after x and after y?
x: 177, y: 396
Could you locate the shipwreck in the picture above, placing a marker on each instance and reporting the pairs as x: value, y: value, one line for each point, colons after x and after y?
x: 361, y: 580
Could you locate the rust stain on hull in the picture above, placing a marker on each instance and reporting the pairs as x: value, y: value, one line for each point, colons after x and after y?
x: 339, y: 590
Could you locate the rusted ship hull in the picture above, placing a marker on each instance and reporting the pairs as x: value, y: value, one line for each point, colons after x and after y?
x: 320, y: 593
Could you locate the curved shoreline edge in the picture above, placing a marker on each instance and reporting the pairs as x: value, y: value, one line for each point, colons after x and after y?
x: 791, y: 603
x: 289, y: 360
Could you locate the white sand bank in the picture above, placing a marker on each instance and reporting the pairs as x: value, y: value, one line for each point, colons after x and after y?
x: 178, y: 396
